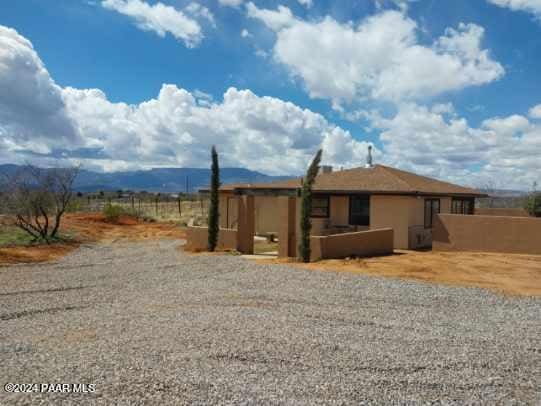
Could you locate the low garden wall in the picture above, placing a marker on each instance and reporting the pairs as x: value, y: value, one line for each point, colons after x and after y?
x: 361, y: 244
x: 520, y: 235
x: 197, y: 239
x: 487, y: 211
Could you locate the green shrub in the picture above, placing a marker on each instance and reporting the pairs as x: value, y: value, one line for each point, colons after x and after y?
x: 112, y: 212
x: 533, y: 204
x: 74, y: 206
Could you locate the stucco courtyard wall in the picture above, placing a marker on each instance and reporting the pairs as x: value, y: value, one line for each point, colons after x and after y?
x: 197, y: 239
x: 228, y: 208
x: 266, y: 213
x: 362, y: 244
x: 392, y: 212
x: 404, y: 214
x: 520, y: 235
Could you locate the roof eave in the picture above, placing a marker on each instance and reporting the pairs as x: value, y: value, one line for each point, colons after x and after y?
x: 243, y: 190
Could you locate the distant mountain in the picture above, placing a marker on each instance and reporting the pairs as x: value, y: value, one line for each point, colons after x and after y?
x: 505, y: 193
x: 158, y: 179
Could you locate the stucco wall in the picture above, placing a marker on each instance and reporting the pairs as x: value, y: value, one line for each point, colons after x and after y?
x: 417, y: 214
x: 197, y: 239
x: 404, y: 214
x: 419, y: 236
x: 501, y: 212
x: 392, y: 212
x: 487, y: 233
x: 339, y: 210
x: 445, y: 204
x: 319, y: 225
x: 287, y: 241
x: 266, y: 214
x: 228, y: 210
x: 364, y: 243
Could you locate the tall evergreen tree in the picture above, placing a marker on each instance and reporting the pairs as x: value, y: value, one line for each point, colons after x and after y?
x: 306, y: 207
x: 214, y: 214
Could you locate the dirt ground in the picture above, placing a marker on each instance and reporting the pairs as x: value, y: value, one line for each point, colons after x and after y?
x: 506, y: 273
x: 511, y: 274
x: 87, y: 228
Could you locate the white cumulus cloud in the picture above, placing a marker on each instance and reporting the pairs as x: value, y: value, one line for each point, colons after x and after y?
x: 379, y: 58
x: 197, y: 10
x: 306, y: 3
x: 33, y: 114
x: 177, y: 128
x: 274, y: 19
x: 261, y: 133
x: 535, y: 112
x: 530, y: 6
x: 162, y: 19
x: 436, y: 141
x: 231, y: 3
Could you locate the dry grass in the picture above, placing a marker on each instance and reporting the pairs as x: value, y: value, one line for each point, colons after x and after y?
x: 90, y: 227
x: 263, y: 247
x: 511, y: 274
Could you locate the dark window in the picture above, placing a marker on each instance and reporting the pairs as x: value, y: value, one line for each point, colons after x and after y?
x: 359, y: 210
x: 432, y: 207
x: 320, y: 206
x: 462, y: 206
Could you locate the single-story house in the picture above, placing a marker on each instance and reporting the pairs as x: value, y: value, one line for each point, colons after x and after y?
x: 366, y: 198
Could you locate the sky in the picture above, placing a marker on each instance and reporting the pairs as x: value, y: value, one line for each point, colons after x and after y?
x: 444, y: 88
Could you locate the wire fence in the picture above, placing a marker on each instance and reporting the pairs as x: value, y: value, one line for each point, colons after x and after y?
x: 184, y: 209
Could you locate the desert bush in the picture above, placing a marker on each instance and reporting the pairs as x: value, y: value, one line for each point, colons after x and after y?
x: 533, y: 204
x: 74, y: 206
x: 112, y: 212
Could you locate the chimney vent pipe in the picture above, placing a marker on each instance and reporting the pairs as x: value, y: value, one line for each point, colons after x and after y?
x: 369, y: 158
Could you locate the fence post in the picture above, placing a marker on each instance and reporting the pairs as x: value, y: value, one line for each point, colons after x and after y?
x: 179, y: 206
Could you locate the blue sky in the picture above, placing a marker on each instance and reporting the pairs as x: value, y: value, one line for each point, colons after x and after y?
x: 444, y: 88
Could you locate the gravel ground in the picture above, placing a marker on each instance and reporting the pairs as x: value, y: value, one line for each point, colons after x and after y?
x: 148, y: 324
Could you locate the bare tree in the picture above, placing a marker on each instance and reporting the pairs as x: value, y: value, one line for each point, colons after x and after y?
x: 38, y: 198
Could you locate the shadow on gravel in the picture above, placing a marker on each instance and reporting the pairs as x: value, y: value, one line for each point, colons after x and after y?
x: 24, y: 292
x: 26, y: 313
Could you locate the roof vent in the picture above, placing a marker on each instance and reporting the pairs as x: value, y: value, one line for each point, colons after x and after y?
x: 369, y: 158
x: 325, y: 169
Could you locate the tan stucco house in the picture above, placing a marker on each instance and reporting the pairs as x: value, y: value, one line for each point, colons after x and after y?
x: 365, y: 198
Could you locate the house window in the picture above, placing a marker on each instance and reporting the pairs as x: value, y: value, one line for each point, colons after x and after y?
x: 462, y: 206
x: 359, y: 210
x: 432, y: 207
x: 320, y: 206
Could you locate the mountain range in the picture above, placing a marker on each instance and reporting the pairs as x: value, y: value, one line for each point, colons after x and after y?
x: 174, y: 180
x: 164, y: 180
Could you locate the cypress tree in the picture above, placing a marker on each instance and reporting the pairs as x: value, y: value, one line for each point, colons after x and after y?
x: 306, y: 207
x: 214, y: 214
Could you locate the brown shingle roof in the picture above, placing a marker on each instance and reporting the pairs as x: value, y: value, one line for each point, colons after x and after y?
x: 378, y: 179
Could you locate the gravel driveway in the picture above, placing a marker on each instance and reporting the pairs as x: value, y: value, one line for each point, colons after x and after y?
x: 148, y: 324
